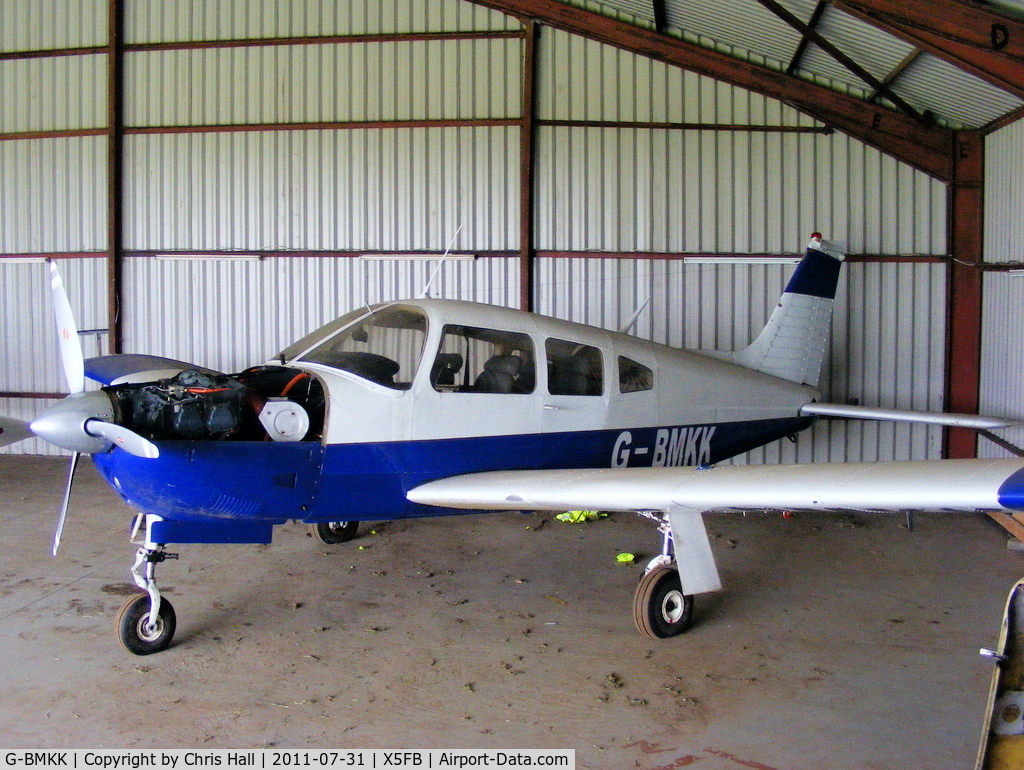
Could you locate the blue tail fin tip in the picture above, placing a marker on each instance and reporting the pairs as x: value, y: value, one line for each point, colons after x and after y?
x: 817, y: 275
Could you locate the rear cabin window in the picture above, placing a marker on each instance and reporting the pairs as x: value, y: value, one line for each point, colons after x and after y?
x: 384, y: 347
x: 475, y: 360
x: 573, y: 369
x: 634, y: 376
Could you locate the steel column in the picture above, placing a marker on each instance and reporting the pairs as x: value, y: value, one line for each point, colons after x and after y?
x: 963, y: 301
x: 526, y: 168
x: 115, y: 170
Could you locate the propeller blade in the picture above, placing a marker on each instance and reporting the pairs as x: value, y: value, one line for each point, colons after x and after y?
x: 64, y: 505
x: 128, y: 440
x: 71, y: 356
x: 12, y: 431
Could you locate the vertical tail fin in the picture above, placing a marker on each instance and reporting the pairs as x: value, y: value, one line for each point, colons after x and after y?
x: 792, y: 343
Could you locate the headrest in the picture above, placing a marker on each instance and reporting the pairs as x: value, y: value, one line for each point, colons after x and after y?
x: 507, y: 365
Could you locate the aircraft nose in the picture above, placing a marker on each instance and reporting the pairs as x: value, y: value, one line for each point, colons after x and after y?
x: 63, y: 424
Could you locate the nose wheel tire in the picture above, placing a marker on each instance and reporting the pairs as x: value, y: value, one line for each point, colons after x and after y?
x: 134, y: 630
x: 334, y: 532
x: 660, y: 608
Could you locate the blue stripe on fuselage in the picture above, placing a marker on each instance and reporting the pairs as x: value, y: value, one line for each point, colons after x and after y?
x: 272, y: 482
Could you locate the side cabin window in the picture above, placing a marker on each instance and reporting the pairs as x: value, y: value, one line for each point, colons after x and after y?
x: 384, y: 347
x: 574, y: 369
x: 475, y: 360
x: 634, y: 376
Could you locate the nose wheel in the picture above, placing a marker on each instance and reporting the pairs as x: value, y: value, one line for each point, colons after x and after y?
x: 146, y: 622
x: 139, y: 632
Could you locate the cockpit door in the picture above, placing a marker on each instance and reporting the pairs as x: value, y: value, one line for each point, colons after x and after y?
x: 576, y: 397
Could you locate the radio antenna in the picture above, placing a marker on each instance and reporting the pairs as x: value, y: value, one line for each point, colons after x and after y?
x: 426, y: 289
x: 635, y: 317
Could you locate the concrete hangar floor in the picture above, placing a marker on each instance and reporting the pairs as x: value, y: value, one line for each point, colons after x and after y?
x: 840, y: 641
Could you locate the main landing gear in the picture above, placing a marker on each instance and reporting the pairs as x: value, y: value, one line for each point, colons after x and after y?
x: 334, y: 532
x: 146, y: 622
x: 660, y: 608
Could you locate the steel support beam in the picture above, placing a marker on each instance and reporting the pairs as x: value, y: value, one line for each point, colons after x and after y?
x: 927, y: 148
x: 527, y: 132
x: 115, y: 171
x: 964, y: 283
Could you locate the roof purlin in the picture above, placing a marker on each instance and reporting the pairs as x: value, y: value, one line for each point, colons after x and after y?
x: 927, y: 148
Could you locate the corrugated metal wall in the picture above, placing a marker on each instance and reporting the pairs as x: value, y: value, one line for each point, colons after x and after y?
x: 741, y: 191
x: 407, y: 189
x: 233, y: 314
x: 28, y: 345
x: 1002, y: 344
x: 154, y: 21
x: 52, y: 191
x: 350, y: 190
x: 1004, y: 194
x: 1002, y: 357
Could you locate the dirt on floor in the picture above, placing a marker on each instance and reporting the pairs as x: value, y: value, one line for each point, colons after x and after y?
x: 840, y: 641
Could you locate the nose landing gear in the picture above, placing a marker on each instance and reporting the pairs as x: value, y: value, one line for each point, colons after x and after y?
x: 146, y: 622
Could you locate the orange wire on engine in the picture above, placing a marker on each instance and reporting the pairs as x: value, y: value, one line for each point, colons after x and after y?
x: 293, y: 382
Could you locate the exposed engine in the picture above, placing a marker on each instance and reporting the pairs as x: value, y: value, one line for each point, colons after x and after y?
x: 267, y: 402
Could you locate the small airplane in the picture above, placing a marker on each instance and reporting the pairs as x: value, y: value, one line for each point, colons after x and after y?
x: 430, y: 407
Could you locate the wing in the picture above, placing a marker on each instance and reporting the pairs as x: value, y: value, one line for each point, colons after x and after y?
x: 684, y: 493
x: 932, y: 485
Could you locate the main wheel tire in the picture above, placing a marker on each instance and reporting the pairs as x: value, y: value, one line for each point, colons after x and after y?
x: 334, y: 532
x: 660, y: 608
x: 132, y: 622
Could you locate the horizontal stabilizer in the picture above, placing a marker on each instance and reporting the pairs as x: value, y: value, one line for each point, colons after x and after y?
x: 122, y: 368
x: 974, y: 421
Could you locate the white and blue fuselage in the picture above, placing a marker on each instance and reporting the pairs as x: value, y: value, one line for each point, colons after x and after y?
x: 418, y: 405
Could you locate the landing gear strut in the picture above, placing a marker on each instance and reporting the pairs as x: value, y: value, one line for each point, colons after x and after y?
x: 146, y: 622
x: 660, y: 608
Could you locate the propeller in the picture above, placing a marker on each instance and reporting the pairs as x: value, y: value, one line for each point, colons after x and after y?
x: 128, y: 440
x: 64, y: 503
x: 73, y: 360
x: 83, y: 421
x: 71, y: 356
